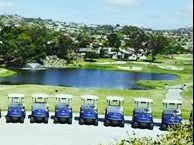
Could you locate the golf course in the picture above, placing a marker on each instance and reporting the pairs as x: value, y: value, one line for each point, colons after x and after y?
x: 179, y: 65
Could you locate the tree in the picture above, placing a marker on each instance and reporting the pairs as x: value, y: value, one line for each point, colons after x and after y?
x: 22, y: 44
x: 136, y: 39
x: 173, y: 48
x: 156, y: 45
x: 66, y: 48
x: 84, y: 41
x: 91, y: 55
x: 114, y: 41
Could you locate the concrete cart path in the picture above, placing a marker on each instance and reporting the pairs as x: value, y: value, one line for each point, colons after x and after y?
x: 174, y: 92
x: 63, y: 134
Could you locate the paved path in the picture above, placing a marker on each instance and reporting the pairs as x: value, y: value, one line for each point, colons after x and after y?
x: 174, y: 92
x: 62, y: 134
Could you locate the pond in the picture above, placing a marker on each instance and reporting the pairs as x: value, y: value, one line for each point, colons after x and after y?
x: 83, y: 78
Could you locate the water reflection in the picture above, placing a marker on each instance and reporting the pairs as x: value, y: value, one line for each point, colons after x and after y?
x: 83, y: 78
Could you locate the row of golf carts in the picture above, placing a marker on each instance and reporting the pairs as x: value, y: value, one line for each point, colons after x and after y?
x: 114, y: 114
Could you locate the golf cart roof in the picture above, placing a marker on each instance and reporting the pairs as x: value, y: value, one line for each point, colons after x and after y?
x: 86, y: 97
x: 143, y: 100
x: 114, y: 98
x: 168, y: 101
x: 16, y: 95
x: 66, y: 96
x: 39, y: 96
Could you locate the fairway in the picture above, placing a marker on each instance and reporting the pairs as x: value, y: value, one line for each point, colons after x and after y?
x: 156, y: 89
x: 157, y: 95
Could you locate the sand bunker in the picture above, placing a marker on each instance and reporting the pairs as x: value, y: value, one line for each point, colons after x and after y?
x: 170, y: 67
x: 116, y: 62
x: 133, y: 68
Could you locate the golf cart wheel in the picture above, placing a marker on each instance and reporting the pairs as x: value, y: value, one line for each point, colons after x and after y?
x: 134, y: 124
x: 163, y: 126
x: 55, y: 120
x: 45, y: 120
x: 21, y: 120
x: 96, y: 122
x: 32, y: 119
x: 151, y: 126
x: 81, y: 121
x: 70, y: 121
x: 106, y: 122
x: 8, y: 119
x: 122, y: 124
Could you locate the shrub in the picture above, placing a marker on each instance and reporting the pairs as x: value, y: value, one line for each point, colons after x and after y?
x: 182, y: 135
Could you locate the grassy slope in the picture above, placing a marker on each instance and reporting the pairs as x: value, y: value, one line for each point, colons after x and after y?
x: 156, y: 92
x: 6, y: 73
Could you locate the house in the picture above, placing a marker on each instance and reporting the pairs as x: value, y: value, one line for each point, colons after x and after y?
x: 82, y: 52
x: 128, y: 54
x: 105, y: 51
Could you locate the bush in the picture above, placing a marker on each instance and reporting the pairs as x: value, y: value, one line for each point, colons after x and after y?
x: 182, y: 135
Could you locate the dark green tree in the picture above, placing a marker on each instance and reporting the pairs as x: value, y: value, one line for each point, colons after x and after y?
x: 136, y: 39
x: 114, y: 41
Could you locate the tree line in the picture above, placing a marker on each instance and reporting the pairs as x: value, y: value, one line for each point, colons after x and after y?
x: 32, y: 43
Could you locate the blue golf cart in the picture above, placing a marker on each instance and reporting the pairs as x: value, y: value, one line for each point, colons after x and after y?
x: 142, y: 114
x: 88, y: 110
x: 63, y: 109
x: 114, y: 114
x: 40, y: 110
x: 171, y: 115
x: 16, y: 108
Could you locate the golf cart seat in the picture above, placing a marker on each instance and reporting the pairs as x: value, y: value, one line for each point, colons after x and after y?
x: 177, y: 112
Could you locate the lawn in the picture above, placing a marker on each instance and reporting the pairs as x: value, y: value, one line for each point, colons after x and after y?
x: 6, y: 72
x: 156, y: 89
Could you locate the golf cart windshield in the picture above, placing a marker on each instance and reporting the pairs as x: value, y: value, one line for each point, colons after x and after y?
x: 62, y: 105
x: 142, y: 110
x: 89, y: 103
x: 117, y: 109
x: 143, y: 105
x: 14, y: 104
x: 42, y: 106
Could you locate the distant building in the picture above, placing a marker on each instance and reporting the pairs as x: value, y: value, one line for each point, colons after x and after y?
x: 82, y: 52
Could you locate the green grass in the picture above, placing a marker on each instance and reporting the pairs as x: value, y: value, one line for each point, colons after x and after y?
x: 188, y: 96
x: 157, y: 95
x: 6, y: 73
x: 156, y: 89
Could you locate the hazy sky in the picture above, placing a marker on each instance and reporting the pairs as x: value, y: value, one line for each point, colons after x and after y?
x: 156, y: 14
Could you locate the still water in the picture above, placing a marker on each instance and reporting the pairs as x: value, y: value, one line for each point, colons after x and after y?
x: 84, y: 78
